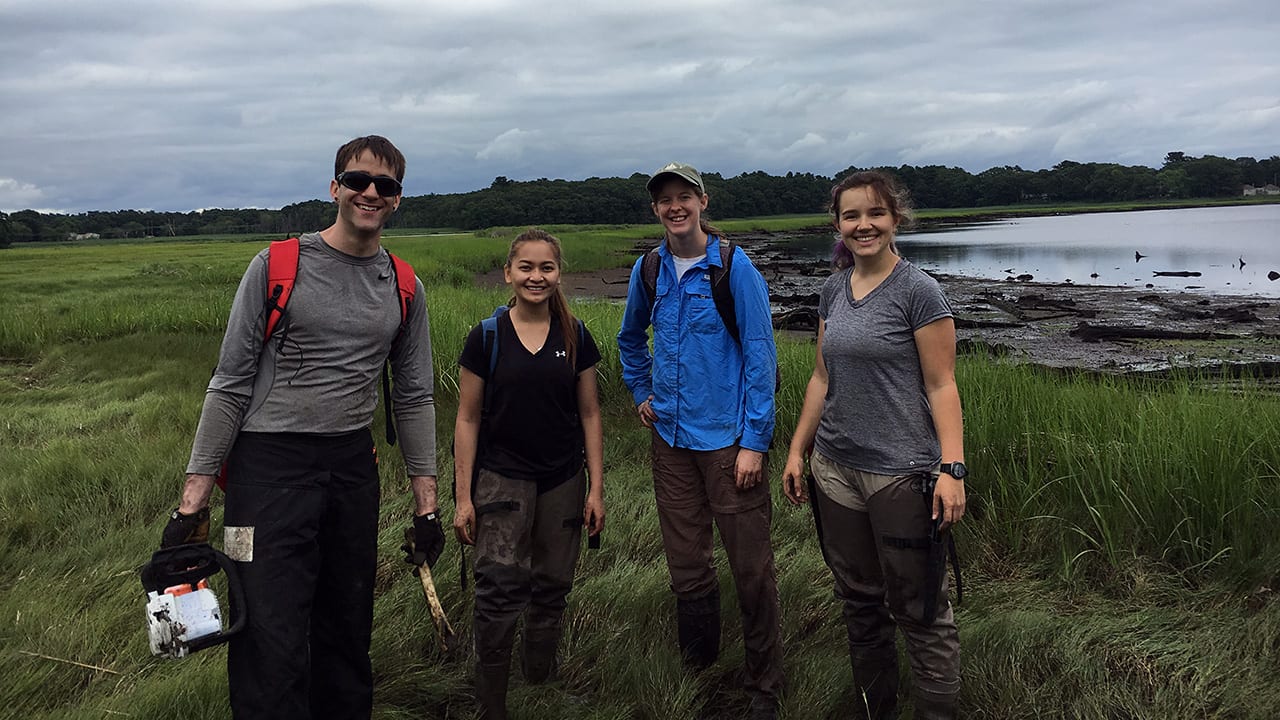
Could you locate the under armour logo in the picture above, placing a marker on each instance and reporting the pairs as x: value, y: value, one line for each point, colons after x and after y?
x: 561, y: 353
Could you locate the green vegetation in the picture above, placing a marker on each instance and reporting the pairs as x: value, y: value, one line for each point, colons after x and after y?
x: 599, y: 201
x: 1119, y: 558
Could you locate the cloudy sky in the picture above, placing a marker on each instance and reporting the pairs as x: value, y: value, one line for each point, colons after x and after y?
x: 188, y: 104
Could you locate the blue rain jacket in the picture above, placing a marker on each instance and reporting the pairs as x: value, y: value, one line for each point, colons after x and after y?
x: 708, y: 391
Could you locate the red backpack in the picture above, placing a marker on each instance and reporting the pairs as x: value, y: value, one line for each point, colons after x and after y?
x: 282, y: 272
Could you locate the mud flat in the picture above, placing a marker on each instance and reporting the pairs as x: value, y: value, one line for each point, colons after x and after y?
x: 1064, y: 326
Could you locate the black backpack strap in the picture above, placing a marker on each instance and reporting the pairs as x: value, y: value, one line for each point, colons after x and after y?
x: 721, y: 292
x: 649, y: 266
x: 386, y: 403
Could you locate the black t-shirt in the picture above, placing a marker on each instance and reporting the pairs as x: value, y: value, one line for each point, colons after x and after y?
x: 531, y: 429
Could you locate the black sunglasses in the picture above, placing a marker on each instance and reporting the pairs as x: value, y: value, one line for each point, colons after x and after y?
x: 358, y: 180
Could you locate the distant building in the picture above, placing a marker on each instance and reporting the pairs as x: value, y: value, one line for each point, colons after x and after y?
x: 83, y: 236
x: 1267, y: 189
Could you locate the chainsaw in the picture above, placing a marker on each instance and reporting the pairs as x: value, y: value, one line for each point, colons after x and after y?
x: 183, y: 612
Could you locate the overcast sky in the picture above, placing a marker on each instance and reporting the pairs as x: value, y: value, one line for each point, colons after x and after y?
x: 189, y: 104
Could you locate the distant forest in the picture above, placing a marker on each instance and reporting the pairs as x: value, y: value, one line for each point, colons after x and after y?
x: 624, y: 201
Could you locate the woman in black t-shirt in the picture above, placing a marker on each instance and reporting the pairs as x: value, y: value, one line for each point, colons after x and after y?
x: 528, y: 416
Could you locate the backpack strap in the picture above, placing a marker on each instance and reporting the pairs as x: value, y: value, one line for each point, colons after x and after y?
x: 649, y: 267
x: 406, y: 288
x: 282, y: 272
x: 406, y: 285
x: 721, y: 291
x: 489, y: 326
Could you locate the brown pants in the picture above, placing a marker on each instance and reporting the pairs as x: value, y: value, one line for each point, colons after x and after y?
x: 694, y: 488
x: 880, y: 571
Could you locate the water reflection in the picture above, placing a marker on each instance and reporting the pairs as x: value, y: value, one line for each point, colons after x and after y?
x: 1125, y: 249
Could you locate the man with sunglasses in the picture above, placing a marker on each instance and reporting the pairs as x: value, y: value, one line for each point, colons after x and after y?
x: 288, y: 418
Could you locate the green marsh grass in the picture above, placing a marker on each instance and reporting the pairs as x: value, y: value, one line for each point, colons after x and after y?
x: 1120, y: 555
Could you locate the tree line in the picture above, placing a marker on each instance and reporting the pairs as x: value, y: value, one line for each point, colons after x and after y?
x: 624, y: 200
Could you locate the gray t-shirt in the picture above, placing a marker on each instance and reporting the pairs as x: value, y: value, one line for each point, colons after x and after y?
x: 319, y: 372
x: 876, y: 416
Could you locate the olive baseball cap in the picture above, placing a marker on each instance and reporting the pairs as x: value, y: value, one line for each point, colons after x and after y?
x: 688, y: 173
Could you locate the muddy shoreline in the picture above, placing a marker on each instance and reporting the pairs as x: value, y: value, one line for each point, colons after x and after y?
x: 1096, y: 328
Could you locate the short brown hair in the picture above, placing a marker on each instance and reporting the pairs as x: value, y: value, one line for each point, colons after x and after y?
x: 378, y: 146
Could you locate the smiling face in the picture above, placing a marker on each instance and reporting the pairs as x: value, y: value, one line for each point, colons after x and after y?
x: 363, y: 214
x: 679, y: 206
x: 866, y: 224
x: 533, y: 271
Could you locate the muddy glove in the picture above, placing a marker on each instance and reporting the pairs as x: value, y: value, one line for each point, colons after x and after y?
x: 428, y: 541
x: 186, y: 529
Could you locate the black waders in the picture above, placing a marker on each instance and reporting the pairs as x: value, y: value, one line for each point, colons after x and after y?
x: 875, y: 684
x: 698, y: 625
x: 538, y: 654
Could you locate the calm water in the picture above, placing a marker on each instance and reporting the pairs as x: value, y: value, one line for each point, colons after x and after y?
x: 1211, y: 241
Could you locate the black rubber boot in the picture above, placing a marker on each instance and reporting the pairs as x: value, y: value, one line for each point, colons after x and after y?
x: 491, y: 691
x: 698, y: 625
x: 931, y: 706
x: 762, y: 707
x: 875, y: 683
x: 538, y: 654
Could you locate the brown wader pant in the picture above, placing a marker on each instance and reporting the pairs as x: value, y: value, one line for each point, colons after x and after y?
x: 874, y: 530
x: 527, y: 545
x: 694, y: 488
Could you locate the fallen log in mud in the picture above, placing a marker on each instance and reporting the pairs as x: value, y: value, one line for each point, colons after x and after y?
x: 1098, y: 333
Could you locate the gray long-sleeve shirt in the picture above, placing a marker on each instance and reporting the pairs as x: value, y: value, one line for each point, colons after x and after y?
x: 319, y: 371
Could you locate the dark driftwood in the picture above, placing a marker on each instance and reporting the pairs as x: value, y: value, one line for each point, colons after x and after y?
x: 803, y: 318
x: 1098, y: 333
x: 964, y: 323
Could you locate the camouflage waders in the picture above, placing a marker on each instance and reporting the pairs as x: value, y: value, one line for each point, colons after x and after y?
x: 873, y: 530
x: 527, y: 545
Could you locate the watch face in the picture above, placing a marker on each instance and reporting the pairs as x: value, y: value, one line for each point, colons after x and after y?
x: 958, y: 470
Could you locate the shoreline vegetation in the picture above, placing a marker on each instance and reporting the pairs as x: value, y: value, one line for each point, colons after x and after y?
x: 1181, y: 179
x: 1120, y: 558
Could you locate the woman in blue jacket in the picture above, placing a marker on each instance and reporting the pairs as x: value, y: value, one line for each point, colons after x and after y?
x: 708, y: 398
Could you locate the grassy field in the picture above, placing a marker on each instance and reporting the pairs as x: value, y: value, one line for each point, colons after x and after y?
x: 1120, y: 559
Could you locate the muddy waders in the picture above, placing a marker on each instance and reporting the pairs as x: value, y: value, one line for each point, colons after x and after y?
x: 879, y: 559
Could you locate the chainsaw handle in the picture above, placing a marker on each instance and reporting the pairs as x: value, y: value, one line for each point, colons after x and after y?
x: 235, y: 606
x: 189, y: 564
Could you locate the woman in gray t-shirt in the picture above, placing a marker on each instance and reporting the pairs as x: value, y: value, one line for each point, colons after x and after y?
x: 882, y: 413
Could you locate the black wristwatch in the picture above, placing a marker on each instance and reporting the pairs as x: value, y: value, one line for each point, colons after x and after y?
x: 956, y: 470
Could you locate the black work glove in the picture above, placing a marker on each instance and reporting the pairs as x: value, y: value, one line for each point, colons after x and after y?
x: 428, y: 541
x: 186, y: 529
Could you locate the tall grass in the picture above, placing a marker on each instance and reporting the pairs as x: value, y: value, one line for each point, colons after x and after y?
x: 1124, y: 476
x: 1119, y: 557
